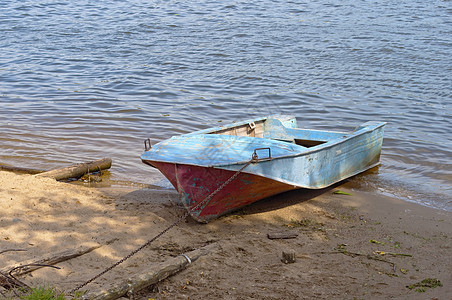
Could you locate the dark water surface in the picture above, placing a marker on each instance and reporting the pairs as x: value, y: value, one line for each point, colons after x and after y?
x: 81, y: 80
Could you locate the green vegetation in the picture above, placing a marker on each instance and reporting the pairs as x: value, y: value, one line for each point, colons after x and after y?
x: 376, y: 242
x: 43, y: 293
x: 311, y: 227
x: 305, y: 223
x: 339, y: 192
x: 422, y: 286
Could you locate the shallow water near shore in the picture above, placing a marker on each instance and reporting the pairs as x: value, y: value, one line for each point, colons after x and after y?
x: 81, y: 81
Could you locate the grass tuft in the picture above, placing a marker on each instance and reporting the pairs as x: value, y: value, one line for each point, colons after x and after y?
x: 422, y: 286
x: 43, y: 293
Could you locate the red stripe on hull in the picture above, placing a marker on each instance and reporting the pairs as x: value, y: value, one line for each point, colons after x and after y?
x: 195, y: 183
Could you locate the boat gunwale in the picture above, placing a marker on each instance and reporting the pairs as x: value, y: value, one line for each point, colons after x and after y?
x: 320, y: 147
x: 308, y: 151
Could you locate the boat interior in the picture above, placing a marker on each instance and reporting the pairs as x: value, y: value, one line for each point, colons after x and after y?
x: 275, y: 129
x: 253, y: 129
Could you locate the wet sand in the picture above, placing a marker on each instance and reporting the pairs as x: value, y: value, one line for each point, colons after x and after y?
x: 361, y: 246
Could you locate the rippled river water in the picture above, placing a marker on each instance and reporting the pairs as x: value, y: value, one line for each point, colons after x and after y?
x: 82, y: 80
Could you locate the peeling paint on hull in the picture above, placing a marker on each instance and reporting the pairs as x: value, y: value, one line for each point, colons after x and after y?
x: 195, y: 183
x: 289, y: 158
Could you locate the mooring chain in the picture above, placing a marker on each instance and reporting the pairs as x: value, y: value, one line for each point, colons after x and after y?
x: 205, y: 201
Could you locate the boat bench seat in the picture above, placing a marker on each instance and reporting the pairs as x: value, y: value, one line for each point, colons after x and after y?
x: 301, y: 137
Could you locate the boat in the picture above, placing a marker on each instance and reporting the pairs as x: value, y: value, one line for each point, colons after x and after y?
x: 221, y: 169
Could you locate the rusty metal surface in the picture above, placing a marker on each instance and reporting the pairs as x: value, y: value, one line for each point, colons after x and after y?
x: 289, y: 158
x: 195, y: 183
x: 340, y: 155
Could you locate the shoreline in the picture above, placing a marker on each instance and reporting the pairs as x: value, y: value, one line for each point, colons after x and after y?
x: 347, y: 246
x: 164, y: 185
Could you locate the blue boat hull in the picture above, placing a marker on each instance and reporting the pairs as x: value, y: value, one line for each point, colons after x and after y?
x: 272, y: 153
x: 326, y: 165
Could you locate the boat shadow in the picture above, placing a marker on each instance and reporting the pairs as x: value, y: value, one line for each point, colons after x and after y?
x: 301, y: 195
x: 284, y: 200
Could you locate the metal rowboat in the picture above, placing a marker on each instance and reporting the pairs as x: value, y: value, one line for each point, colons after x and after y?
x: 275, y: 157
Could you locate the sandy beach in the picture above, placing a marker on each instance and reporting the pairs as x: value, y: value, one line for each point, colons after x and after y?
x: 358, y: 246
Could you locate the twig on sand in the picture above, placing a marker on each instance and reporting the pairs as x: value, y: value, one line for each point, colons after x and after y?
x: 8, y: 282
x: 48, y: 260
x: 11, y: 250
x: 30, y: 265
x: 354, y: 254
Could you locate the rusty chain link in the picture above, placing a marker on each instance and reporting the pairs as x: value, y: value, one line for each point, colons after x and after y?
x: 203, y: 202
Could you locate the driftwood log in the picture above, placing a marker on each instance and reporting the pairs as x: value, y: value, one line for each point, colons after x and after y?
x: 50, y: 259
x: 77, y: 171
x: 158, y: 273
x: 20, y: 170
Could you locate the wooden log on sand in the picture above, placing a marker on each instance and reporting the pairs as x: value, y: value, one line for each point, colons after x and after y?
x: 20, y: 170
x: 77, y: 171
x: 282, y: 235
x: 50, y: 259
x: 157, y: 274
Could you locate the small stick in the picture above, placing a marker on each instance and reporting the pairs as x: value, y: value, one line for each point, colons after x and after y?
x: 52, y: 259
x: 9, y: 283
x: 282, y: 235
x: 9, y: 250
x: 353, y: 254
x: 30, y: 265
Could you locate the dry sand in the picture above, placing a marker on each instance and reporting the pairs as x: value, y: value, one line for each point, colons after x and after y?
x: 339, y: 238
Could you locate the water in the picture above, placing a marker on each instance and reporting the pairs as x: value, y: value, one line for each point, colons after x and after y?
x: 81, y: 80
